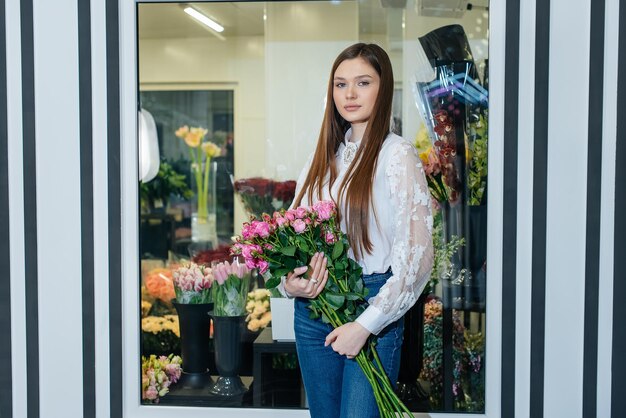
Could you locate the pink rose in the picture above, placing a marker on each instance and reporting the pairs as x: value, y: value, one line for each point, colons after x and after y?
x: 298, y: 225
x: 324, y: 209
x: 290, y: 215
x: 262, y: 229
x: 263, y: 266
x: 301, y: 212
x: 236, y: 249
x: 250, y: 263
x: 247, y: 232
x: 251, y: 250
x: 280, y: 221
x: 329, y: 237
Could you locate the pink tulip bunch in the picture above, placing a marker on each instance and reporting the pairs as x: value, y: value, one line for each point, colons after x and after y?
x: 192, y: 283
x: 232, y: 284
x: 222, y: 271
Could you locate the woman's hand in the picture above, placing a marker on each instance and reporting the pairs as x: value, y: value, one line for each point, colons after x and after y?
x: 348, y: 339
x: 314, y: 281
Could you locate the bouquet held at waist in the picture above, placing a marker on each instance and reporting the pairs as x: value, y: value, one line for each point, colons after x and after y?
x: 277, y: 244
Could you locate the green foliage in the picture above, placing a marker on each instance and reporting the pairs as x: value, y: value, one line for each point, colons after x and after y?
x: 443, y: 252
x: 167, y: 182
x: 477, y: 181
x: 161, y: 343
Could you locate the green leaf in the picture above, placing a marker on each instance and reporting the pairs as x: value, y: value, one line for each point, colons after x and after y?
x: 290, y: 250
x: 281, y: 272
x: 337, y: 250
x: 290, y: 263
x: 335, y: 301
x: 303, y: 244
x: 272, y: 282
x: 358, y: 286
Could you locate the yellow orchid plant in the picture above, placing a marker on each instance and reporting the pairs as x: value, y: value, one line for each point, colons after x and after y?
x: 201, y: 153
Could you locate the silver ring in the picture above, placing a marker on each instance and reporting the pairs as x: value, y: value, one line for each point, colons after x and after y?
x: 314, y: 280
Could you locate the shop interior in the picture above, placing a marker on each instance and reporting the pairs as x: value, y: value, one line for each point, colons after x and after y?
x: 230, y: 99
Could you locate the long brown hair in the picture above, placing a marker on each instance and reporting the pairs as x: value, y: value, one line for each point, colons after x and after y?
x: 357, y: 184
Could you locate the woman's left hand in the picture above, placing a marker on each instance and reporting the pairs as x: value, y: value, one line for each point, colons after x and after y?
x: 348, y: 339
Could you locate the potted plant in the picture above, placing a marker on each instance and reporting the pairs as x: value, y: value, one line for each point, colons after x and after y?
x: 156, y: 193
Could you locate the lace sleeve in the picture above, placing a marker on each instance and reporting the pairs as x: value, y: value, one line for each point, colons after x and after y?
x: 412, y: 249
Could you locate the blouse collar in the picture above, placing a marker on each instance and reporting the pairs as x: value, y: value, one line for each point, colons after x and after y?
x: 346, y: 138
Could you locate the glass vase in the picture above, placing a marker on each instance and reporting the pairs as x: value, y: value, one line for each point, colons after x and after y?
x: 204, y: 228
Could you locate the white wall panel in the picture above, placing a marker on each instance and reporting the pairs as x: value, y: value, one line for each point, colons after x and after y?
x: 566, y: 206
x: 524, y: 203
x: 58, y: 205
x: 607, y: 216
x: 16, y: 207
x: 100, y: 206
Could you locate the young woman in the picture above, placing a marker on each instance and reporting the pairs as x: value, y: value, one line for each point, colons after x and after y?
x: 376, y: 180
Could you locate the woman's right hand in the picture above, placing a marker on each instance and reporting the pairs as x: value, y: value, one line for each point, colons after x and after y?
x: 299, y: 283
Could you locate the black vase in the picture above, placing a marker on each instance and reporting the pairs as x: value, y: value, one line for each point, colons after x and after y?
x: 227, y: 332
x: 195, y: 324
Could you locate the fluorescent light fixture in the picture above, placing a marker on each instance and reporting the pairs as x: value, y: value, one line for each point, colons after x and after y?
x: 203, y: 19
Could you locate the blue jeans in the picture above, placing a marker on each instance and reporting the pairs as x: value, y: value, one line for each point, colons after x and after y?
x: 336, y: 386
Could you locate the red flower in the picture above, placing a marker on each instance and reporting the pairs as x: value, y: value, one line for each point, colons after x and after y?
x: 284, y: 190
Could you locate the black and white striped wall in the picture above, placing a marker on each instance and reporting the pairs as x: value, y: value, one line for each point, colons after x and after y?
x: 69, y: 307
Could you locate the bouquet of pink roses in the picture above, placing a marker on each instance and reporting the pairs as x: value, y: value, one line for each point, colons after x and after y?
x: 192, y: 284
x: 288, y: 239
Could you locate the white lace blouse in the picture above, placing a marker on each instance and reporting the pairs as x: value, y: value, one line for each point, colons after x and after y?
x: 403, y: 242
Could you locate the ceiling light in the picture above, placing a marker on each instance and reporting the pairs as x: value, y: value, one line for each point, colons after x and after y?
x: 203, y: 19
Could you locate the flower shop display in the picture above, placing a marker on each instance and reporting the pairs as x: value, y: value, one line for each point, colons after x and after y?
x: 453, y: 145
x: 467, y: 356
x: 260, y: 195
x: 192, y: 285
x: 203, y: 226
x: 288, y: 239
x: 156, y: 193
x: 160, y: 335
x: 258, y: 308
x: 230, y: 291
x: 157, y: 376
x: 160, y: 284
x: 206, y: 257
x: 232, y: 282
